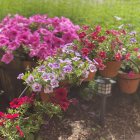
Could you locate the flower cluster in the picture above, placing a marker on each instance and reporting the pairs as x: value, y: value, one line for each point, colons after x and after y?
x: 25, y: 116
x: 59, y: 97
x: 102, y: 45
x: 18, y: 102
x: 35, y: 37
x: 68, y: 65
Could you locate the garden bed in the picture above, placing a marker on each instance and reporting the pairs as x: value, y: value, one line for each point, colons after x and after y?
x: 80, y: 122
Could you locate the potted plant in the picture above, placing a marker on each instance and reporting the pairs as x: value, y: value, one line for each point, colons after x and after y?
x: 129, y: 74
x: 105, y: 47
x: 23, y: 41
x: 68, y: 66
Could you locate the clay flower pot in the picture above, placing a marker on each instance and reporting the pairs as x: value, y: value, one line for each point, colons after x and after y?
x: 90, y: 76
x: 111, y: 69
x: 128, y: 84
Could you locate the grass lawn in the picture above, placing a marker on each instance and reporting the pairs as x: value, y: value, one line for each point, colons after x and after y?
x: 79, y: 11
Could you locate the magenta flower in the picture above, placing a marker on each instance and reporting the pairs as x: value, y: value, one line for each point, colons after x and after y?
x: 7, y: 58
x: 41, y: 36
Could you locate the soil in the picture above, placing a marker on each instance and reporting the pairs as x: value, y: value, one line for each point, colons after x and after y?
x: 81, y: 122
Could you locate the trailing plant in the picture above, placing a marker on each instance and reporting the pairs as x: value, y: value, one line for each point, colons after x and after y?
x: 67, y: 66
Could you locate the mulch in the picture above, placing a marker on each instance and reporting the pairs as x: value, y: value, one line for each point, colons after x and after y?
x: 81, y: 121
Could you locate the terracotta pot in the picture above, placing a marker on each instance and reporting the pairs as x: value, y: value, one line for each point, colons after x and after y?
x: 111, y: 69
x: 90, y: 76
x: 128, y: 84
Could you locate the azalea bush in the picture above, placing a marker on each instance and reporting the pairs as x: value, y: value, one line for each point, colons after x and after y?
x: 67, y: 66
x: 35, y: 37
x: 102, y: 45
x: 25, y: 117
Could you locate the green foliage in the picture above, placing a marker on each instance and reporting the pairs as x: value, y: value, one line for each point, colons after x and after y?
x: 29, y: 121
x: 87, y: 92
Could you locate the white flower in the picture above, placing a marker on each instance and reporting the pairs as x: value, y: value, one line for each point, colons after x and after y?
x: 117, y: 18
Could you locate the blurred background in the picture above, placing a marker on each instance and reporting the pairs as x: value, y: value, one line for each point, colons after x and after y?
x: 107, y: 13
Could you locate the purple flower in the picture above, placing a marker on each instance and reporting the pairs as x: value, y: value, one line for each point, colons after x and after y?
x: 54, y: 83
x: 48, y: 89
x: 76, y: 58
x: 77, y: 54
x: 92, y: 68
x: 89, y: 61
x: 50, y: 65
x: 20, y: 76
x: 41, y: 68
x: 55, y: 66
x: 45, y: 77
x: 7, y: 58
x: 133, y: 40
x: 48, y: 76
x: 133, y: 33
x: 30, y: 79
x: 36, y: 87
x: 85, y: 74
x: 67, y: 69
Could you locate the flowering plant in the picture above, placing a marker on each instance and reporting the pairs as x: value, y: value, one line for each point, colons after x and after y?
x: 35, y: 37
x: 102, y: 45
x: 68, y: 65
x: 24, y: 117
x: 131, y: 64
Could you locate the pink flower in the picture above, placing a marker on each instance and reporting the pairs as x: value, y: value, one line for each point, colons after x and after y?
x: 102, y: 54
x: 127, y: 56
x: 118, y: 56
x: 7, y: 58
x: 131, y: 74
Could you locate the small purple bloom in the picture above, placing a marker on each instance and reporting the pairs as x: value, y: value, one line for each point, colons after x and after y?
x: 55, y: 66
x: 67, y: 68
x: 133, y: 33
x: 30, y: 79
x: 92, y: 68
x: 54, y: 83
x: 133, y: 40
x: 88, y: 60
x: 67, y: 60
x: 36, y: 87
x: 77, y: 54
x: 76, y: 58
x: 41, y: 68
x: 45, y: 76
x: 50, y: 65
x: 20, y: 76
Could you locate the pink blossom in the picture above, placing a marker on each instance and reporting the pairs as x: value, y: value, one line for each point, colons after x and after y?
x: 7, y: 58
